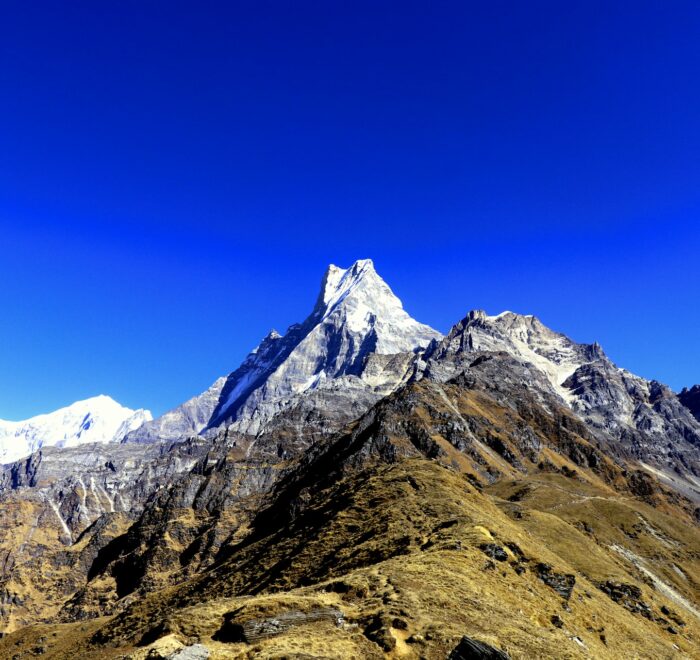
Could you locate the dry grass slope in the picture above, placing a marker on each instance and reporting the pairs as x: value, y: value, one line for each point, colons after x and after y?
x: 414, y: 572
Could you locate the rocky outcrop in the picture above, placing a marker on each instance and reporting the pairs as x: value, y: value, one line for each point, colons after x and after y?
x: 472, y: 649
x: 62, y: 507
x: 627, y: 595
x: 562, y: 583
x: 639, y: 419
x: 239, y: 628
x: 690, y: 398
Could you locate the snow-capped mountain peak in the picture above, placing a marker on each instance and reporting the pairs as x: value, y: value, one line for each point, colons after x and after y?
x: 338, y: 282
x: 356, y: 316
x: 363, y: 301
x: 97, y: 419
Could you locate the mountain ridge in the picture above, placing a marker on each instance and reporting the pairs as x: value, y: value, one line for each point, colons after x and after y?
x: 644, y: 416
x: 406, y: 494
x: 314, y: 478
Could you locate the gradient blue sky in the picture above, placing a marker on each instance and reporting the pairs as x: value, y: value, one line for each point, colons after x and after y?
x: 175, y: 177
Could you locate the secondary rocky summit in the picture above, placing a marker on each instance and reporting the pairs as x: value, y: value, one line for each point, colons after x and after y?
x: 643, y: 419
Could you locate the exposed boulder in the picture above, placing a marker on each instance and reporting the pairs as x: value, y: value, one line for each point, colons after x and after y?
x: 472, y: 649
x: 238, y: 628
x: 562, y: 583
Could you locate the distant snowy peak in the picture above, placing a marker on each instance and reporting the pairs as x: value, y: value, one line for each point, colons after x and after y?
x: 98, y: 419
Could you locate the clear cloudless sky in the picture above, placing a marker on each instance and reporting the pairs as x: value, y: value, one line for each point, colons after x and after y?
x: 176, y: 176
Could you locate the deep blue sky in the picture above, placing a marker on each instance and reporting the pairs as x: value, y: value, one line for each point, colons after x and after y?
x: 175, y: 177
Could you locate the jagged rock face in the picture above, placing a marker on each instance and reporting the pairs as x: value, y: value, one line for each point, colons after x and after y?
x: 187, y: 419
x: 316, y: 413
x: 525, y: 337
x: 79, y: 484
x: 644, y: 417
x: 199, y: 514
x: 356, y: 316
x: 690, y: 398
x: 62, y: 506
x: 344, y: 348
x: 107, y: 478
x: 494, y: 419
x: 99, y: 419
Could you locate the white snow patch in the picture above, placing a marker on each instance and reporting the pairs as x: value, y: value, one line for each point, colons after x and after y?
x: 660, y: 585
x: 65, y: 527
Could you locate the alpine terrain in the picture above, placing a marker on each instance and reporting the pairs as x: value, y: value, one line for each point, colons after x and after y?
x: 362, y: 486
